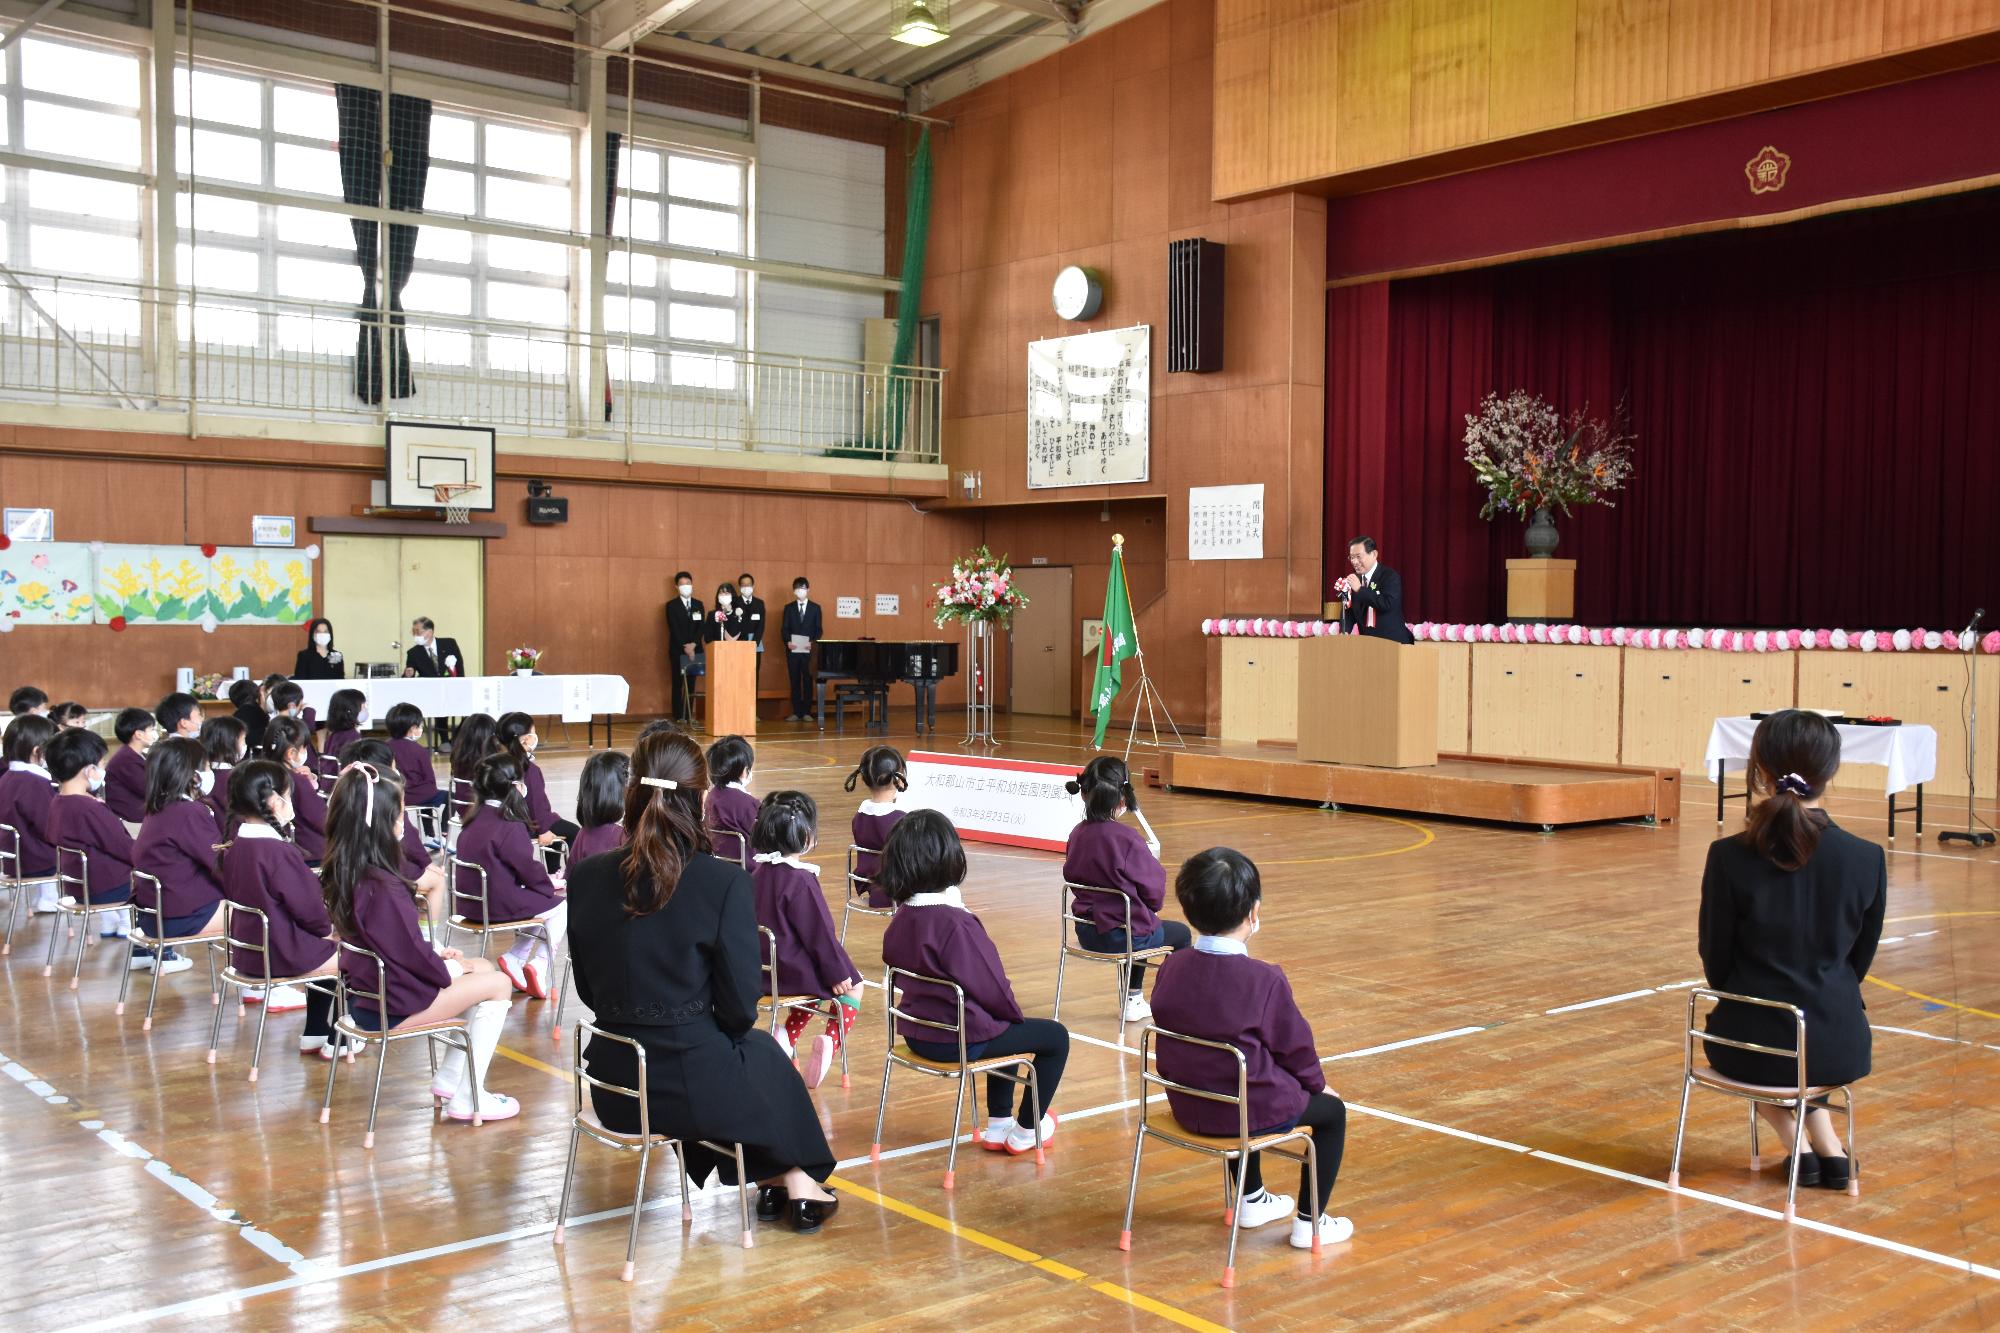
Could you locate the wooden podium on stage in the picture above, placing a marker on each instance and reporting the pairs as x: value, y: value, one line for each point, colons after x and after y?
x: 1364, y: 700
x: 732, y: 688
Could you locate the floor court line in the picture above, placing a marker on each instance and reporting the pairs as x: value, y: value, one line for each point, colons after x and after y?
x: 1598, y: 1003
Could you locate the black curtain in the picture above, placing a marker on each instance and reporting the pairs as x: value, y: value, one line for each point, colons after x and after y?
x: 361, y: 173
x: 611, y: 141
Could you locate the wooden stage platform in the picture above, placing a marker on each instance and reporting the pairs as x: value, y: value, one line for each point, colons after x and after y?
x: 1543, y: 793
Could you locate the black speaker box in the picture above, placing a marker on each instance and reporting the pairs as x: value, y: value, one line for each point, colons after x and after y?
x: 1194, y: 305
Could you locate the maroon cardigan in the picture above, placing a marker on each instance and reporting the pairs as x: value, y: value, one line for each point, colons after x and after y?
x: 1248, y: 1003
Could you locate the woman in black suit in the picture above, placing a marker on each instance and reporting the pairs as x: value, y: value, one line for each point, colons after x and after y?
x: 319, y: 659
x: 663, y: 939
x: 1791, y: 910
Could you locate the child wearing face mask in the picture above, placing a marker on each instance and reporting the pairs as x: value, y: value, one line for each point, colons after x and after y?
x: 1217, y: 991
x: 263, y: 868
x: 346, y: 715
x: 515, y: 733
x: 498, y: 839
x: 25, y: 795
x: 227, y: 742
x: 801, y: 632
x: 753, y: 617
x: 78, y: 819
x: 125, y: 773
x: 176, y: 844
x: 287, y: 742
x: 726, y: 623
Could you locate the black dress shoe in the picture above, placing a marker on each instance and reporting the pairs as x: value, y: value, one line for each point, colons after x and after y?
x: 771, y: 1201
x: 1809, y: 1169
x: 1833, y: 1173
x: 809, y: 1215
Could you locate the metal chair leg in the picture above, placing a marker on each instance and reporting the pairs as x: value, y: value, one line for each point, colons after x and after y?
x: 569, y: 1180
x: 743, y: 1198
x: 1132, y: 1186
x: 55, y: 938
x: 257, y: 1047
x: 375, y: 1098
x: 957, y: 1120
x: 332, y: 1067
x: 215, y: 1034
x: 881, y: 1110
x: 1062, y: 958
x: 1236, y: 1225
x: 1312, y: 1183
x: 1756, y: 1153
x: 681, y: 1167
x: 1680, y: 1131
x: 83, y: 938
x: 1847, y: 1112
x: 1124, y: 990
x: 638, y: 1202
x: 1798, y: 1139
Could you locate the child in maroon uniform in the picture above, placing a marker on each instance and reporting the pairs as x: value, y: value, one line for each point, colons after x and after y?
x: 125, y: 774
x: 934, y: 934
x: 881, y: 771
x: 1216, y: 990
x: 791, y: 905
x: 730, y: 811
x: 1106, y: 854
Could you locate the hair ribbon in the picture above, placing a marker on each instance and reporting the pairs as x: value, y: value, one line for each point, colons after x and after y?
x: 368, y: 771
x: 1795, y: 785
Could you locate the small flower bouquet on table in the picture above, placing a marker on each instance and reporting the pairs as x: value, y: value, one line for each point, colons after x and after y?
x: 211, y: 687
x: 523, y: 661
x: 981, y: 590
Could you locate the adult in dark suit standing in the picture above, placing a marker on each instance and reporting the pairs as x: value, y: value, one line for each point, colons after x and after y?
x: 432, y: 657
x: 666, y: 953
x: 753, y: 617
x: 800, y: 631
x: 1791, y: 910
x: 1371, y: 596
x: 686, y: 633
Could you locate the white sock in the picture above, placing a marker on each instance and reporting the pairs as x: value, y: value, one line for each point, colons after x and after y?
x: 1000, y: 1124
x: 482, y: 1030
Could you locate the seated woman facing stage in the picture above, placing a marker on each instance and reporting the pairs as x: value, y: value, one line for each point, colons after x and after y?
x: 1791, y: 910
x: 319, y: 659
x: 664, y: 943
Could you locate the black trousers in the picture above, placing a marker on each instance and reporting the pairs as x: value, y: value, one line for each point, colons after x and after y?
x: 1326, y: 1116
x: 1172, y: 933
x: 1043, y: 1038
x: 800, y: 667
x: 319, y: 1013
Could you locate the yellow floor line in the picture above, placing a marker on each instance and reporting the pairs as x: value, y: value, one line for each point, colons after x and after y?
x: 1160, y: 1308
x: 1426, y: 840
x: 1930, y: 999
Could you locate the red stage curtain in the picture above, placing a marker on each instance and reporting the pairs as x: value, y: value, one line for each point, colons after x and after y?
x: 1817, y: 406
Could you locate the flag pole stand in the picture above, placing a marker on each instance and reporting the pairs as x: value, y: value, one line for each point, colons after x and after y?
x: 1148, y: 697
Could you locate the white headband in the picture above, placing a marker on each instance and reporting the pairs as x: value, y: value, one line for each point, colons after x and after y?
x: 667, y: 784
x: 368, y: 771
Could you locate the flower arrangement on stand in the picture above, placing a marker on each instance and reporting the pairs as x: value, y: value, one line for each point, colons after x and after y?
x: 981, y: 596
x: 523, y: 661
x: 1530, y: 460
x: 212, y: 686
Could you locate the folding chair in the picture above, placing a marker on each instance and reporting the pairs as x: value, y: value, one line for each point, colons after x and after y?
x: 73, y: 873
x: 153, y: 940
x: 460, y: 804
x: 259, y: 979
x: 1157, y: 1121
x: 583, y: 1122
x: 450, y: 1031
x: 857, y: 889
x: 485, y: 928
x: 741, y: 856
x: 1124, y: 959
x: 780, y: 1004
x: 13, y: 882
x: 1793, y: 1098
x: 962, y: 1069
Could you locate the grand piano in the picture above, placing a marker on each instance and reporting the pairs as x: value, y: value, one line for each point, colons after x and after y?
x: 862, y: 670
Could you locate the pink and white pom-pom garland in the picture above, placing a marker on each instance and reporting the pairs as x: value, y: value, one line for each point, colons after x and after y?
x: 1717, y: 640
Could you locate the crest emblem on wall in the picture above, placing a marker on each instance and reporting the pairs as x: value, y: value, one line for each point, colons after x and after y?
x: 1767, y: 170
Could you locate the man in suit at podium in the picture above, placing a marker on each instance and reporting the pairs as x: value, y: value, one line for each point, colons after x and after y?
x: 431, y: 657
x: 686, y: 632
x: 1372, y: 596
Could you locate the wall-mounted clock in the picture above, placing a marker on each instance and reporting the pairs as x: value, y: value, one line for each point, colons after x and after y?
x: 1078, y: 292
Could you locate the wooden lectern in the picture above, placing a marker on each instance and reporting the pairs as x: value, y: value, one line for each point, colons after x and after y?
x: 1364, y: 700
x: 732, y: 688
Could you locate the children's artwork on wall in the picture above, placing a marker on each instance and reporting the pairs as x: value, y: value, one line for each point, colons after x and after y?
x: 45, y: 583
x: 248, y: 586
x: 152, y: 585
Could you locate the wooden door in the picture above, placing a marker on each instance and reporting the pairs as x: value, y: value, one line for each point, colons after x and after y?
x: 1042, y: 646
x: 364, y: 599
x: 443, y: 578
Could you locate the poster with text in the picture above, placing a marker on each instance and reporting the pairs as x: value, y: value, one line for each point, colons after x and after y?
x: 1226, y: 522
x: 1008, y: 801
x: 1090, y: 408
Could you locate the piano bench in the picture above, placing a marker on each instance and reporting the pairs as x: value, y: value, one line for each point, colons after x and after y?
x: 873, y: 699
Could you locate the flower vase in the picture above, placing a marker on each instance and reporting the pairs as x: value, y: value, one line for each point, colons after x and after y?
x: 524, y: 671
x: 1542, y: 535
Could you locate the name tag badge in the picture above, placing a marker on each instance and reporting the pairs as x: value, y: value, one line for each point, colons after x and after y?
x: 756, y: 615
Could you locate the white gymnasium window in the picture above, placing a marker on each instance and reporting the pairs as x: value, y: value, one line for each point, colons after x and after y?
x: 67, y: 100
x: 672, y: 197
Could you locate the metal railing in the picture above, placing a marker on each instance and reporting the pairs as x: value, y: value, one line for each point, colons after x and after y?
x: 89, y: 342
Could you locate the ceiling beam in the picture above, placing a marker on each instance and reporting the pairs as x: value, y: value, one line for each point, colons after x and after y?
x: 616, y: 25
x: 48, y: 7
x: 1069, y: 15
x: 1016, y: 53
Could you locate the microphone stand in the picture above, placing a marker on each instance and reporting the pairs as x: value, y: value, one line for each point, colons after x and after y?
x: 1973, y: 835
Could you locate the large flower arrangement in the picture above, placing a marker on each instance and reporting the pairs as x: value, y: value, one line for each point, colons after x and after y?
x: 1528, y: 457
x: 981, y: 590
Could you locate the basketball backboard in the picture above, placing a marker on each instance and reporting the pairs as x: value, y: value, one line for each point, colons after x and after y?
x: 423, y: 457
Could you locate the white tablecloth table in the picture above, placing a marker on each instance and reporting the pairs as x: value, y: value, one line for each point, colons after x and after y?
x: 1908, y: 752
x: 572, y: 698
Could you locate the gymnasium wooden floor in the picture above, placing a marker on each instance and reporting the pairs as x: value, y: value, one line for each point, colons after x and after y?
x: 1500, y: 1009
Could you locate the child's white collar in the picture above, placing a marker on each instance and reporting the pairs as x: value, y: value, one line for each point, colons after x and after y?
x: 249, y: 830
x: 737, y: 786
x: 875, y: 807
x: 23, y: 766
x: 494, y: 804
x: 950, y: 897
x: 780, y: 859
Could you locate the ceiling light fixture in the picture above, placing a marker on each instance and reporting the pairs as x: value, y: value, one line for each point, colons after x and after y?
x: 919, y: 24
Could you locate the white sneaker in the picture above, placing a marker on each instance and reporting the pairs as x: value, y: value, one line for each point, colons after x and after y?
x: 332, y: 1048
x: 534, y: 979
x: 1021, y: 1138
x: 174, y: 962
x: 311, y: 1045
x: 1136, y: 1008
x: 1264, y: 1208
x: 492, y: 1106
x: 510, y: 967
x: 785, y: 1044
x: 45, y: 907
x: 818, y: 1061
x: 280, y: 999
x: 1332, y: 1231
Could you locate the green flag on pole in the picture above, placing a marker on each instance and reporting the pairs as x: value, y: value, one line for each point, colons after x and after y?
x: 1121, y: 640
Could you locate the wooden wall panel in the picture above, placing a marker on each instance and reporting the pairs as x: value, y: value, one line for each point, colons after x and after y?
x: 1915, y: 687
x: 1260, y: 690
x: 1454, y: 695
x: 1405, y: 79
x: 1672, y: 700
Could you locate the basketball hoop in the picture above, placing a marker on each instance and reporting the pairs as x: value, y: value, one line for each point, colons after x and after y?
x: 456, y: 498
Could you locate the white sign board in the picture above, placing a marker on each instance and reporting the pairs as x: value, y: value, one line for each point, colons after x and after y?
x: 1090, y: 408
x: 1006, y: 801
x: 888, y: 604
x: 847, y: 608
x: 1226, y: 522
x: 273, y: 530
